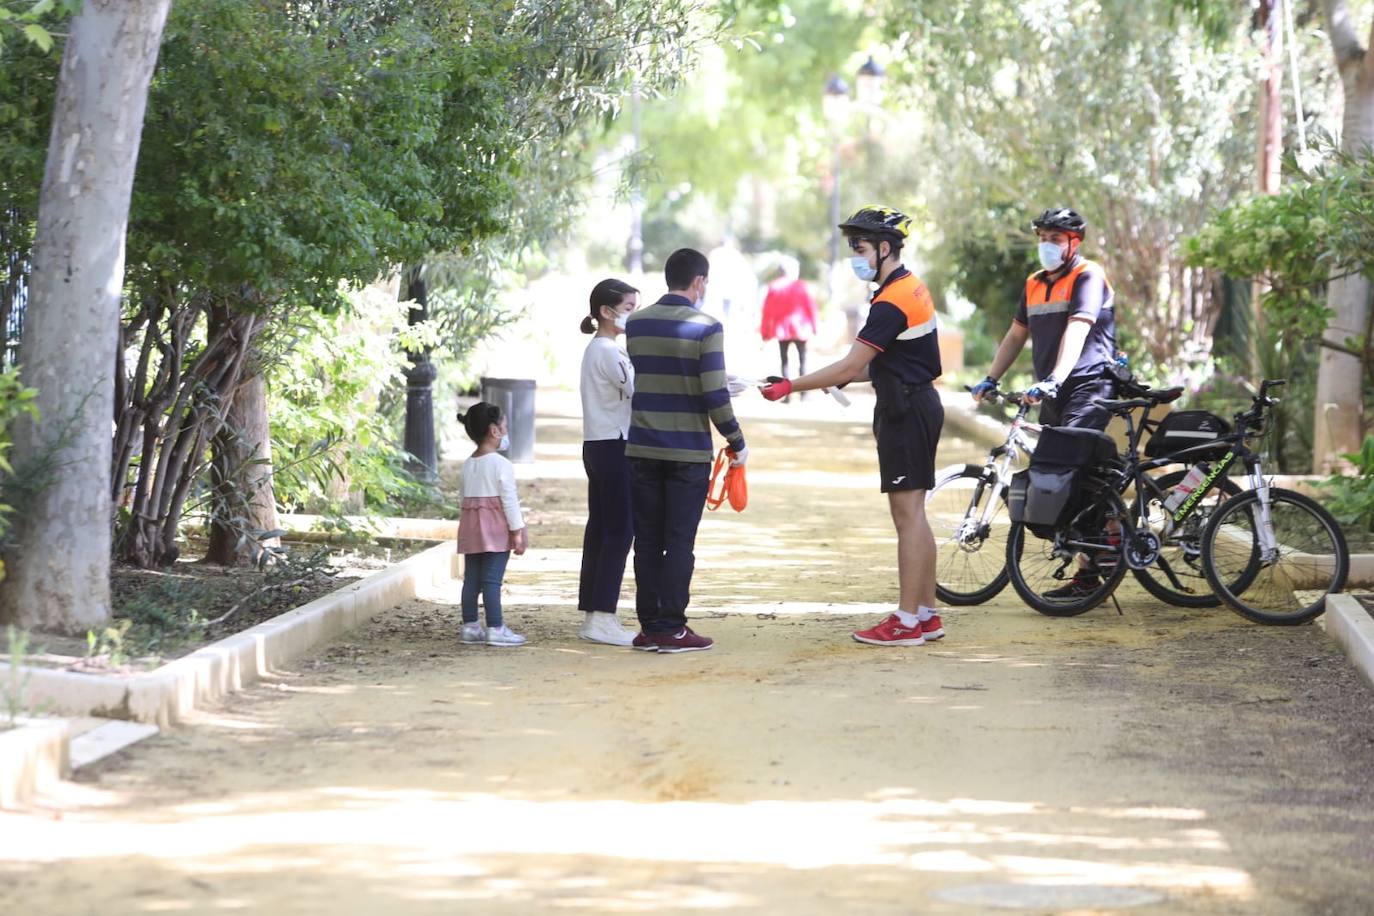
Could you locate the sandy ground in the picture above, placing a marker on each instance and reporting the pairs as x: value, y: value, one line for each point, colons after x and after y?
x: 1185, y: 761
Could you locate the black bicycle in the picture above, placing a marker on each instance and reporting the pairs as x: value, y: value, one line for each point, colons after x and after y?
x: 968, y: 512
x: 1271, y: 554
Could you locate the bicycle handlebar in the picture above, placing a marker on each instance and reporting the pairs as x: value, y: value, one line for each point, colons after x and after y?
x: 1017, y: 398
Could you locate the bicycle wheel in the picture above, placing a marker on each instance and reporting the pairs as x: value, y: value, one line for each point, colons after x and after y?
x: 1309, y: 562
x: 1043, y: 570
x: 1181, y: 550
x: 971, y: 555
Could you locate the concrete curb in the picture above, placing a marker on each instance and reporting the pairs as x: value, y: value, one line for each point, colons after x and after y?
x: 32, y: 756
x: 1347, y: 622
x: 420, y: 529
x: 166, y: 694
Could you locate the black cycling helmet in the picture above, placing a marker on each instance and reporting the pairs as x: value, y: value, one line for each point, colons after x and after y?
x: 877, y: 221
x: 1063, y: 219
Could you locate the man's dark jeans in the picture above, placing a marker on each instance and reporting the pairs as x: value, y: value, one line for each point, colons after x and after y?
x: 668, y: 498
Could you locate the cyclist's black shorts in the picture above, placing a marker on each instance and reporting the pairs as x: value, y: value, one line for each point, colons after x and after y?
x: 1073, y: 406
x: 907, y: 435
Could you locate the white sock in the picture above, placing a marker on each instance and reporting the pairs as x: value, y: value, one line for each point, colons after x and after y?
x: 907, y: 618
x: 924, y: 613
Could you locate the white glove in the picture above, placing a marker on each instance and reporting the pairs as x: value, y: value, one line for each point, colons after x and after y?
x: 740, y: 457
x: 737, y: 385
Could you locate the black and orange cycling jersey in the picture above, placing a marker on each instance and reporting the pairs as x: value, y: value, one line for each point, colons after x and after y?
x: 1049, y: 302
x: 902, y: 327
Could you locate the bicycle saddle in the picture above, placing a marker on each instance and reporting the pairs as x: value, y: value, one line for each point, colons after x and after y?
x: 1148, y: 398
x: 1151, y: 398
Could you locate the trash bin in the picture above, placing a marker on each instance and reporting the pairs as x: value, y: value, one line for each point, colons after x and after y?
x: 515, y: 397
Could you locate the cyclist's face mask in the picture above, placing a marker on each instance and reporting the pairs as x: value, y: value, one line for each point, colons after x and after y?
x: 862, y: 264
x: 1054, y: 253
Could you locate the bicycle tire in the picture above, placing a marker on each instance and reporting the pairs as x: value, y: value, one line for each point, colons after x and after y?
x: 971, y: 570
x: 1037, y: 565
x: 1182, y: 549
x: 1313, y: 559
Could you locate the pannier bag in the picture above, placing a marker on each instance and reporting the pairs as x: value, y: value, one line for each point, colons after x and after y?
x: 1185, y: 429
x: 1071, y: 447
x: 1050, y: 492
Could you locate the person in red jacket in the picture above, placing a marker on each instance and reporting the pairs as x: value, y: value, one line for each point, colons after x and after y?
x: 789, y: 314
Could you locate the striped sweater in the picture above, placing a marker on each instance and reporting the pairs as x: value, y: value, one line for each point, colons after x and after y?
x: 678, y: 355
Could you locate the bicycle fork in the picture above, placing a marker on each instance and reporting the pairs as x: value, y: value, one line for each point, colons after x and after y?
x: 1264, y: 531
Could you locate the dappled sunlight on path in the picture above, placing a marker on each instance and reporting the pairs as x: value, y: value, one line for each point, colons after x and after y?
x: 788, y: 770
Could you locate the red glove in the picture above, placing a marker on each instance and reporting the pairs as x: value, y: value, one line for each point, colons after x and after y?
x: 776, y: 391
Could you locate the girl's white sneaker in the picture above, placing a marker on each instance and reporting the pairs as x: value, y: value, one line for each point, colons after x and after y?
x: 604, y: 627
x: 472, y: 634
x: 504, y: 636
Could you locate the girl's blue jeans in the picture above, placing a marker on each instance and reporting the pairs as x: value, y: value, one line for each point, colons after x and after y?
x: 483, y: 573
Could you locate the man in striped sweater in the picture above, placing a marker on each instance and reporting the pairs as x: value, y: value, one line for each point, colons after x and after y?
x: 678, y: 354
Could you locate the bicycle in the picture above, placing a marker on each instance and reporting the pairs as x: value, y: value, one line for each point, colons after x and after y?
x: 1302, y: 556
x: 1144, y: 534
x: 967, y: 513
x: 1175, y: 574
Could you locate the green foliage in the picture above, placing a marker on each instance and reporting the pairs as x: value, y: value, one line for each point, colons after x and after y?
x: 30, y: 21
x: 15, y: 401
x: 1121, y: 110
x: 331, y: 441
x: 1351, y: 496
x: 17, y: 679
x: 1320, y: 225
x: 107, y: 643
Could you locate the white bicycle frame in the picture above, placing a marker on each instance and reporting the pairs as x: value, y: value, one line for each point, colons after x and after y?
x: 1002, y: 462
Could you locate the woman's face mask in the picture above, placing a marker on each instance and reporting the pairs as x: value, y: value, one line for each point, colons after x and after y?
x: 621, y: 318
x: 504, y: 445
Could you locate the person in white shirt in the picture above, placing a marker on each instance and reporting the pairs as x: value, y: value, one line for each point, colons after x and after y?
x: 490, y: 525
x: 608, y: 383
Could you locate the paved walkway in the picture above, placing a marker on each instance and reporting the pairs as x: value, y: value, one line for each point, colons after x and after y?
x: 1176, y: 761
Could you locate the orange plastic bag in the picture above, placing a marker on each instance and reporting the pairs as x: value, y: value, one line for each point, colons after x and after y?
x: 732, y: 486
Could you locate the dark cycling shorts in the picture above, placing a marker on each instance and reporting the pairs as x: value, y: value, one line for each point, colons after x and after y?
x: 1073, y: 406
x: 907, y: 435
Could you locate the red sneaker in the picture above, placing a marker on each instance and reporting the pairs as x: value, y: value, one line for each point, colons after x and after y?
x: 892, y: 632
x: 683, y: 641
x: 645, y: 643
x: 932, y: 629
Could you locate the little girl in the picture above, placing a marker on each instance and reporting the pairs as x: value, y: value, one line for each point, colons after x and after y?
x: 489, y: 526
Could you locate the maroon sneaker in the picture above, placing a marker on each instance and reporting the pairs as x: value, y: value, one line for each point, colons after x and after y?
x: 683, y: 641
x: 932, y: 629
x: 645, y: 643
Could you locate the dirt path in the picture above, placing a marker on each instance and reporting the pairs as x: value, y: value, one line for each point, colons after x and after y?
x: 1184, y: 761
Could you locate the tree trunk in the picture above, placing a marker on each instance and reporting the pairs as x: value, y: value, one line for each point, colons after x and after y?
x: 1339, y: 404
x: 60, y: 576
x: 420, y: 376
x: 1269, y: 16
x: 241, y: 475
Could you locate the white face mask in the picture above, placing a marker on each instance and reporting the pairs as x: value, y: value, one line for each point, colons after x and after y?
x: 504, y: 444
x: 620, y: 320
x: 862, y: 269
x: 1051, y: 255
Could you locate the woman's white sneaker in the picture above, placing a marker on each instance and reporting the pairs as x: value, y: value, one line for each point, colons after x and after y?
x: 472, y: 634
x: 604, y: 627
x: 504, y: 636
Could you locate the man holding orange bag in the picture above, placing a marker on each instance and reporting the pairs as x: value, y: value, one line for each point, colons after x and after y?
x: 678, y: 353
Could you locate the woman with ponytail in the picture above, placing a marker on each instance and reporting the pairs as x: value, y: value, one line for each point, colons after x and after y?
x: 608, y: 383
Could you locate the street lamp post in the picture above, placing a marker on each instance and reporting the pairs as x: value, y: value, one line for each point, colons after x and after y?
x: 835, y: 107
